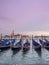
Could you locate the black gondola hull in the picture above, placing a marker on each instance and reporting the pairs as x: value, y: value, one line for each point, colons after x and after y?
x: 5, y: 47
x: 36, y: 45
x: 45, y: 44
x: 37, y: 48
x: 16, y: 48
x: 26, y: 48
x: 46, y: 47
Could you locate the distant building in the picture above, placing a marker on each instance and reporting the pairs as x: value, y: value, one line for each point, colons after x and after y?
x: 25, y: 36
x: 17, y: 36
x: 42, y: 36
x: 7, y: 37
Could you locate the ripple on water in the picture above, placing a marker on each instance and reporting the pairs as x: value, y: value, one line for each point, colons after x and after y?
x: 20, y: 57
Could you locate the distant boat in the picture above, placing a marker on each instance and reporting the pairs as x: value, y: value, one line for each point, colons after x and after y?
x: 36, y: 45
x: 4, y: 44
x: 45, y: 43
x: 26, y: 45
x: 16, y: 45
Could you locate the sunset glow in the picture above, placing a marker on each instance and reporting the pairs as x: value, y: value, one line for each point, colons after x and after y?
x: 45, y: 33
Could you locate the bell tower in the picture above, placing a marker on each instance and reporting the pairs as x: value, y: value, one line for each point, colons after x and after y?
x: 13, y: 33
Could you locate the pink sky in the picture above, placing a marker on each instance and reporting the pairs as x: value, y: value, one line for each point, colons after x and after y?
x: 24, y: 15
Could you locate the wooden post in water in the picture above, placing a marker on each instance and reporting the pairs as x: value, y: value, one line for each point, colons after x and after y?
x: 32, y: 41
x: 10, y: 42
x: 22, y: 41
x: 1, y: 36
x: 42, y: 42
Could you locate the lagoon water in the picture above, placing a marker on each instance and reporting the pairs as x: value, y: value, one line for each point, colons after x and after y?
x: 20, y: 57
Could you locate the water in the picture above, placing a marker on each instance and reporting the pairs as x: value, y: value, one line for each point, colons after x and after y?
x: 20, y: 57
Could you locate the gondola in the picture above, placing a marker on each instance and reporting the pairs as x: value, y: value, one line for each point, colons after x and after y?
x: 17, y: 45
x: 45, y: 43
x: 41, y: 41
x: 4, y: 44
x: 36, y: 45
x: 26, y: 45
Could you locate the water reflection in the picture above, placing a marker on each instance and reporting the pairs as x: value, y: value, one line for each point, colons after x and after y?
x: 25, y: 52
x: 2, y: 51
x: 39, y: 52
x: 15, y: 51
x: 47, y: 49
x: 30, y: 56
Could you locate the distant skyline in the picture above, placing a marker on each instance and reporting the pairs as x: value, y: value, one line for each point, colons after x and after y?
x: 24, y: 16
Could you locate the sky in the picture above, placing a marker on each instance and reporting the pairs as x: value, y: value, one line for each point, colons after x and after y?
x: 24, y: 16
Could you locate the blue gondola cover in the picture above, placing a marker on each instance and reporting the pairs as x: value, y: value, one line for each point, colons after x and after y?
x: 27, y: 44
x: 13, y: 41
x: 19, y: 43
x: 6, y: 42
